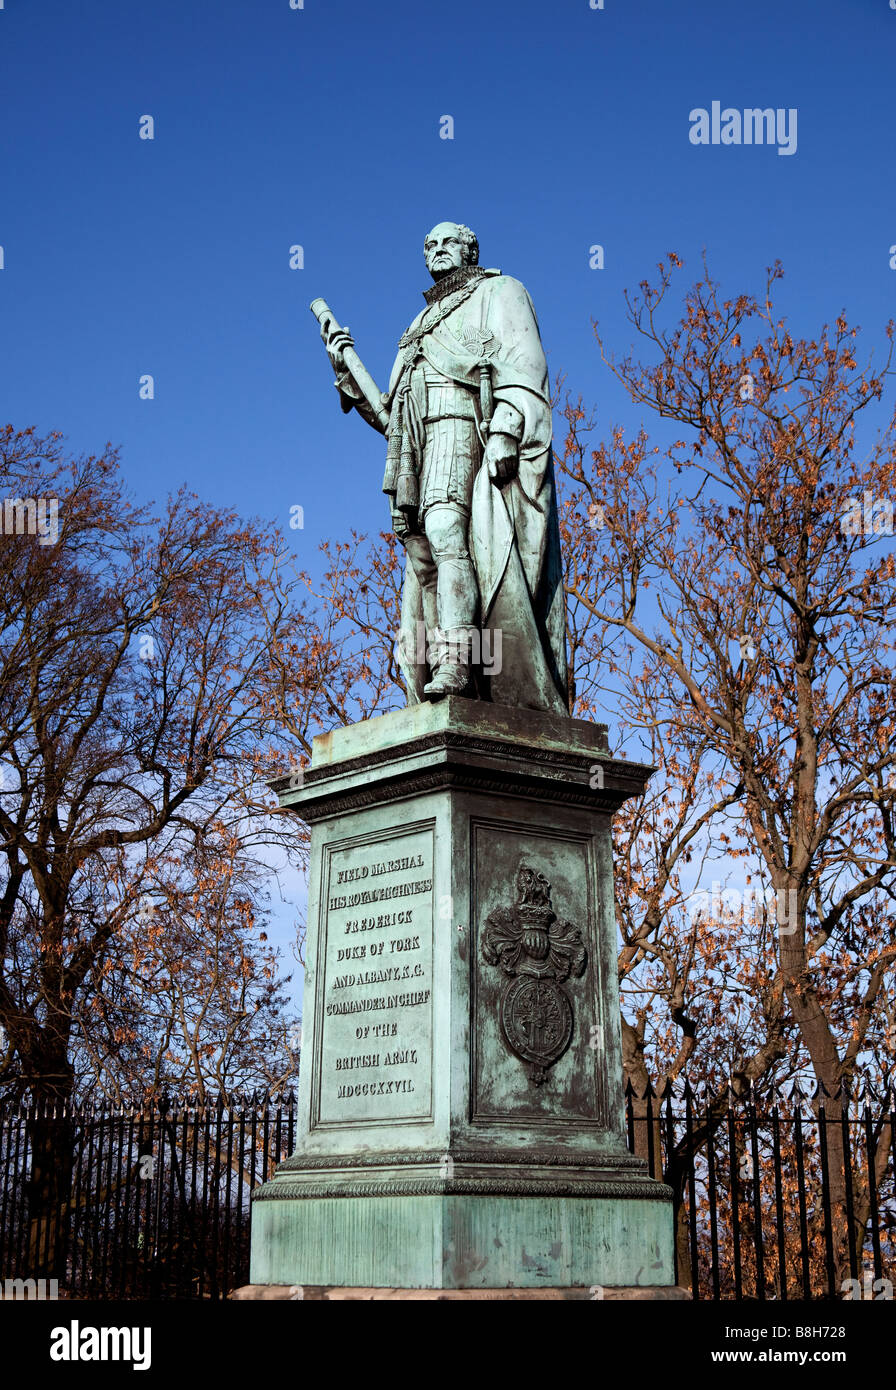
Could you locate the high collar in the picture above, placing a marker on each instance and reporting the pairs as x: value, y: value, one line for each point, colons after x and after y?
x: 454, y: 280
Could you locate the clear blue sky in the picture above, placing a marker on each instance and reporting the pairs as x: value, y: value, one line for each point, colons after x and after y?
x: 320, y: 127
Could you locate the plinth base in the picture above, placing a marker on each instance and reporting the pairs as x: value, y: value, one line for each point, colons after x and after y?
x: 463, y: 1241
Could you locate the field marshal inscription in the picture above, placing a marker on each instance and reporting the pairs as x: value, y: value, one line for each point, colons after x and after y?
x: 375, y: 959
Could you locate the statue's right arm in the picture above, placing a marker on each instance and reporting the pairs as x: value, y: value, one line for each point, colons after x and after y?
x: 350, y: 397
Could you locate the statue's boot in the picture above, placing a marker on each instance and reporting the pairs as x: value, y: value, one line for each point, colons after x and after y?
x: 451, y: 664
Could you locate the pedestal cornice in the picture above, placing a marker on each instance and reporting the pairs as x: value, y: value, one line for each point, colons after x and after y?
x: 463, y: 745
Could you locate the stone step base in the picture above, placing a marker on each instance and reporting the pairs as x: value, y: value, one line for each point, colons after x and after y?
x: 318, y: 1293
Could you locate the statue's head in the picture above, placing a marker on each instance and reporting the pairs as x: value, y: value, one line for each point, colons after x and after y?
x: 449, y: 246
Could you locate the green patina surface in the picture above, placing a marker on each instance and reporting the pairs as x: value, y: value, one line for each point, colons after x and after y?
x: 460, y: 1100
x: 463, y: 1242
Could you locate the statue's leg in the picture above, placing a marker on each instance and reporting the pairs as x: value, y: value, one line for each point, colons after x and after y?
x: 457, y: 599
x: 446, y: 531
x: 420, y: 556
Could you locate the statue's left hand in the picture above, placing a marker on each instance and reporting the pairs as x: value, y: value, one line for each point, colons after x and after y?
x: 501, y: 458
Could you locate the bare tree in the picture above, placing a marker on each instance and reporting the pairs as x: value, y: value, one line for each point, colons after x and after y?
x: 135, y: 731
x: 761, y: 615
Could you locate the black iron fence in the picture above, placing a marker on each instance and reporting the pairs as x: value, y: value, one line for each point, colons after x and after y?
x: 159, y: 1197
x: 779, y: 1199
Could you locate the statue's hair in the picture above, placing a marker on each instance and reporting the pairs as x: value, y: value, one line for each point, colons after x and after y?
x: 470, y: 243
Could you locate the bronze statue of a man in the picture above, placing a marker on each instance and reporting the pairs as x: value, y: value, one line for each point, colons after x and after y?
x: 470, y: 481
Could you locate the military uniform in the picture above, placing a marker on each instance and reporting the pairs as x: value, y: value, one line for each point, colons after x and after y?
x: 453, y: 450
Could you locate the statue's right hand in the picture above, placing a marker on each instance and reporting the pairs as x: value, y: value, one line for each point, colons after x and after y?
x: 336, y: 340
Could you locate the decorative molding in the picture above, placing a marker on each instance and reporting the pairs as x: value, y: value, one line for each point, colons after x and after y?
x: 639, y: 1189
x: 529, y: 1158
x: 453, y: 777
x: 562, y: 758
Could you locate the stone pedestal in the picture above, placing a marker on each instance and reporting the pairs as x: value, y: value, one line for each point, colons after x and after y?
x: 460, y: 1098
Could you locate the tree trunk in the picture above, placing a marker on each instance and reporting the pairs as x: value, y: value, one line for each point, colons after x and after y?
x: 51, y: 1136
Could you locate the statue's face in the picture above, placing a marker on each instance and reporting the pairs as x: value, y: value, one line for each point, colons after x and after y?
x: 444, y: 250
